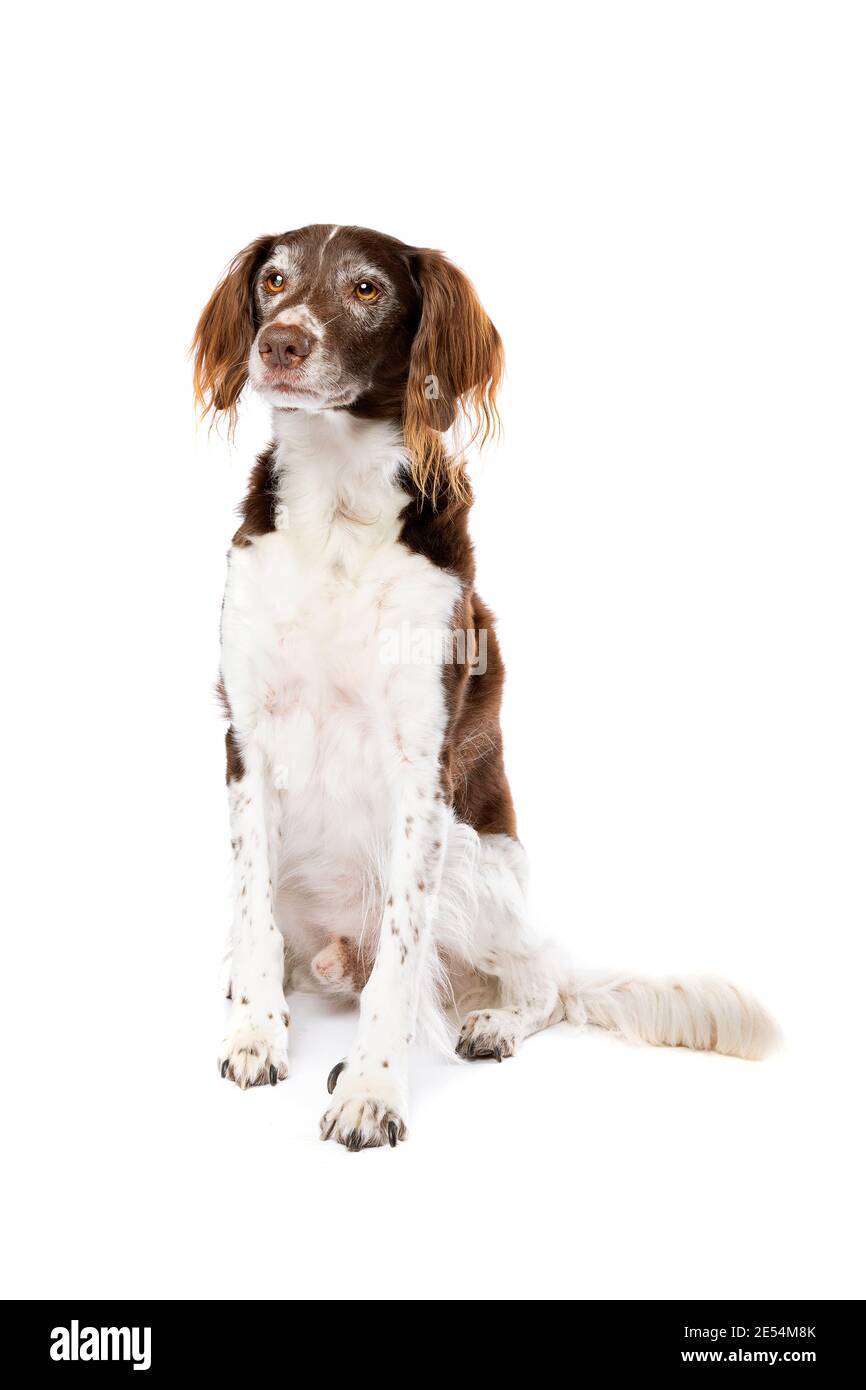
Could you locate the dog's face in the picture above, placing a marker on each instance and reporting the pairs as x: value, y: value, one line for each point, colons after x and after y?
x: 334, y: 312
x: 341, y: 318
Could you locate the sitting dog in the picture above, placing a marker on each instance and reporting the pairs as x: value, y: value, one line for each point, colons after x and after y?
x: 374, y: 836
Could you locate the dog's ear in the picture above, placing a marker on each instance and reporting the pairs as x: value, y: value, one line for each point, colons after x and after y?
x: 225, y: 334
x: 455, y: 369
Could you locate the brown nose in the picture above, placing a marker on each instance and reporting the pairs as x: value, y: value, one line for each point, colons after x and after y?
x: 284, y: 345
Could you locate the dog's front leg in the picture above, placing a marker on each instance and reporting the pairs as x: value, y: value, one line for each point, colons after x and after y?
x: 255, y: 1047
x: 370, y: 1089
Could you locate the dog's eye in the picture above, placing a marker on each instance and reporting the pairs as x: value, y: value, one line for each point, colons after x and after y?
x: 275, y: 282
x: 366, y: 291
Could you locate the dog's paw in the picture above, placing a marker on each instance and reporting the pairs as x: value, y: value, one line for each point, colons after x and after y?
x: 489, y: 1033
x: 365, y: 1115
x: 255, y: 1049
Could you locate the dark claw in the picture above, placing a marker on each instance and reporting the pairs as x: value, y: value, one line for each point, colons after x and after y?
x: 224, y: 1068
x: 332, y: 1079
x: 272, y: 1075
x: 355, y: 1141
x: 330, y: 1129
x: 497, y: 1053
x: 392, y: 1134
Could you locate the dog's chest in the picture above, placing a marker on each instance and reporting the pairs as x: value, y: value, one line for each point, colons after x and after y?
x: 318, y: 623
x: 325, y: 662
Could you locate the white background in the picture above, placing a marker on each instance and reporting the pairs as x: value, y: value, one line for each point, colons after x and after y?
x: 662, y: 207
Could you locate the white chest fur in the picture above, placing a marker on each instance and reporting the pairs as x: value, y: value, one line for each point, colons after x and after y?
x: 310, y: 661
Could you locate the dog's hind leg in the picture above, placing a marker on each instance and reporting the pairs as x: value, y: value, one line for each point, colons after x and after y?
x: 517, y: 976
x: 532, y: 1003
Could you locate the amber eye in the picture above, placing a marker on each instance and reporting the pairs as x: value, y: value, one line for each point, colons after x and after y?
x: 365, y: 290
x: 275, y: 282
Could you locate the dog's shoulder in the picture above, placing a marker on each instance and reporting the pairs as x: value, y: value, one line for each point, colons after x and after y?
x: 258, y: 510
x: 438, y: 528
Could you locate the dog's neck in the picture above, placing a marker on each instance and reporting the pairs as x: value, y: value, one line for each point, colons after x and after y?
x: 334, y: 469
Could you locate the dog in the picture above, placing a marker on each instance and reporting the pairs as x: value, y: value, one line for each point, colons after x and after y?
x: 374, y: 836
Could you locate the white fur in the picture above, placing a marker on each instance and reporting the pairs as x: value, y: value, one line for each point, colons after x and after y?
x: 706, y: 1014
x: 337, y: 824
x: 341, y: 749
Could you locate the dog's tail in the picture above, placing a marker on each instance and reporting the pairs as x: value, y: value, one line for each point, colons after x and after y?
x: 703, y: 1013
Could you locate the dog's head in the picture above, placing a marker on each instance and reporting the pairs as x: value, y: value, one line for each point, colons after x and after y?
x: 341, y: 318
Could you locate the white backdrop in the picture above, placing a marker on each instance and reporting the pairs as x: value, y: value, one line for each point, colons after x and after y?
x: 662, y: 207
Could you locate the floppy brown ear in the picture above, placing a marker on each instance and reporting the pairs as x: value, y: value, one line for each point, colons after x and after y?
x: 225, y: 334
x: 455, y: 370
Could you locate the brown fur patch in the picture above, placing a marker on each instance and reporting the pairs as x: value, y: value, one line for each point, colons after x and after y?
x: 354, y: 965
x: 473, y: 764
x: 258, y: 509
x: 235, y: 768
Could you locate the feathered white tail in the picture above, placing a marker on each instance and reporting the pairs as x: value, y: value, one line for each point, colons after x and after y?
x: 706, y: 1014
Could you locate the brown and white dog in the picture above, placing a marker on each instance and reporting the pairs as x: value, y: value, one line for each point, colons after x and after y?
x: 373, y: 830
